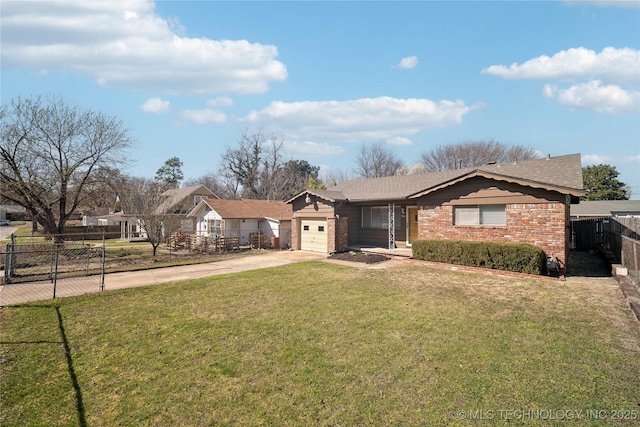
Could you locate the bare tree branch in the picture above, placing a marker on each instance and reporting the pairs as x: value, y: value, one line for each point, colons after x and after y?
x: 50, y: 152
x: 376, y: 161
x: 471, y: 154
x: 140, y: 199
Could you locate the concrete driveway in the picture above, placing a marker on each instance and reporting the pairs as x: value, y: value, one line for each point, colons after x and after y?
x: 7, y: 230
x: 40, y: 291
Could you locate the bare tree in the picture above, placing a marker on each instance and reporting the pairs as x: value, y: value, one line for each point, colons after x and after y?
x: 141, y: 199
x: 101, y: 189
x: 50, y: 154
x: 471, y: 154
x: 375, y: 161
x: 214, y: 182
x: 293, y: 177
x: 243, y: 162
x: 333, y: 177
x: 254, y: 169
x: 269, y: 186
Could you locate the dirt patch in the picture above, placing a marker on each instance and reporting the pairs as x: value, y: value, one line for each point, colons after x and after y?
x: 359, y: 256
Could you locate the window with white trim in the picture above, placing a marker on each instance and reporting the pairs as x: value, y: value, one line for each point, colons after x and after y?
x: 378, y: 217
x: 480, y: 215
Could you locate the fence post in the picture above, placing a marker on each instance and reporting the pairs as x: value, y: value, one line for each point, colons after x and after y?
x: 10, y: 259
x: 86, y: 268
x: 102, y: 264
x: 55, y: 275
x: 54, y: 264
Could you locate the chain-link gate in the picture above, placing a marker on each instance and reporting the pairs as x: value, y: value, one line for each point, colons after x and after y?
x: 37, y: 270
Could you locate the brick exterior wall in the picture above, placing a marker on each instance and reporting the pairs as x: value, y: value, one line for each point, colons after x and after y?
x: 337, y: 234
x: 545, y: 225
x: 331, y: 235
x: 342, y: 236
x: 295, y: 236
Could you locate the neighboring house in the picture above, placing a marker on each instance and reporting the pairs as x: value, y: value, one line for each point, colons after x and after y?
x: 243, y: 218
x: 116, y: 218
x: 92, y: 216
x: 177, y: 201
x: 12, y: 212
x: 526, y: 202
x: 593, y: 209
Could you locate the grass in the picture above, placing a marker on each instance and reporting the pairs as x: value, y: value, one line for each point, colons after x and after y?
x: 321, y: 344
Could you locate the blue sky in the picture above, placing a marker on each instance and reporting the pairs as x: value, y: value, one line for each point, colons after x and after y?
x: 188, y: 77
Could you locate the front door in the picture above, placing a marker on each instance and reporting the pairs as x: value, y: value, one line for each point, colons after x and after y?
x: 412, y: 217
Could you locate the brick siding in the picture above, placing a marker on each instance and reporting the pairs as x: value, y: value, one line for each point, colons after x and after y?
x: 295, y: 237
x: 331, y: 235
x: 541, y: 224
x: 342, y: 234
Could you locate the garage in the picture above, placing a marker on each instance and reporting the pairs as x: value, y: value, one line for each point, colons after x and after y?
x: 313, y: 235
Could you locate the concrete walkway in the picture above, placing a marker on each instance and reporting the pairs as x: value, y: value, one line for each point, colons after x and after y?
x: 40, y: 291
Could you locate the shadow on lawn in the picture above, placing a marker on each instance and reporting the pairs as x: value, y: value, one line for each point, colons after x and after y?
x: 72, y: 373
x: 67, y: 351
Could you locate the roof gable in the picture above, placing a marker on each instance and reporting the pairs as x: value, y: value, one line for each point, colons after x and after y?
x: 175, y: 196
x: 246, y: 209
x: 562, y: 174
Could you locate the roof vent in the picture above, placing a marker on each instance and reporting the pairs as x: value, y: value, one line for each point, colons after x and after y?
x: 548, y: 156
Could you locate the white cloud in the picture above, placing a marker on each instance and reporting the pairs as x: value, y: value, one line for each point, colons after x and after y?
x: 126, y: 44
x: 360, y: 119
x: 220, y: 102
x: 155, y: 106
x: 200, y: 117
x: 313, y: 148
x: 596, y: 159
x: 631, y: 159
x: 408, y: 62
x: 611, y: 65
x: 399, y: 140
x: 596, y: 96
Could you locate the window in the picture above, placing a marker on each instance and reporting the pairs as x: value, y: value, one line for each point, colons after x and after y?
x: 480, y: 215
x: 305, y: 228
x: 378, y: 217
x: 215, y: 226
x: 320, y: 228
x: 196, y: 199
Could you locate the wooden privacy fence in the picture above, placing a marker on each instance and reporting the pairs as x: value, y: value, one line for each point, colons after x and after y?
x: 618, y: 235
x: 587, y: 234
x: 621, y: 237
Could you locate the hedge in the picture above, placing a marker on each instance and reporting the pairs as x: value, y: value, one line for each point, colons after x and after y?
x: 518, y: 257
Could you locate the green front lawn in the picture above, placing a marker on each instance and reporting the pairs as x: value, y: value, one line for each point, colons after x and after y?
x: 321, y: 344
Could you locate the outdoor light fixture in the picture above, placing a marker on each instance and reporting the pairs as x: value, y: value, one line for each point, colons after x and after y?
x: 307, y: 199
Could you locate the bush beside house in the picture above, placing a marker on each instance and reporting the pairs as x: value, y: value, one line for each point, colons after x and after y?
x: 517, y: 257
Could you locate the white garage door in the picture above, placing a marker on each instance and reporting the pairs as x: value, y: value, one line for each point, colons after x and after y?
x: 313, y: 235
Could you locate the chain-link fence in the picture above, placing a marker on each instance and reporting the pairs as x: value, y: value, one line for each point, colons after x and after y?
x: 37, y: 269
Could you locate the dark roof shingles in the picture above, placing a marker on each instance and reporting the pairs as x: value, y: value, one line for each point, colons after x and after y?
x: 561, y: 171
